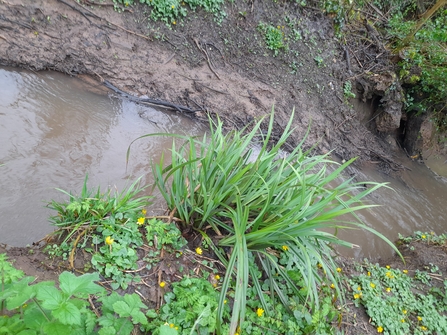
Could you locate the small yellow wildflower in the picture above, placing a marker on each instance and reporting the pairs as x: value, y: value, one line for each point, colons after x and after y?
x: 172, y: 6
x: 405, y: 271
x: 173, y: 22
x: 109, y: 240
x: 162, y: 284
x: 404, y: 311
x: 380, y: 329
x: 260, y: 312
x: 372, y: 285
x: 369, y: 274
x: 419, y: 318
x: 217, y: 277
x: 338, y: 269
x: 285, y: 247
x: 423, y: 236
x: 320, y: 265
x: 423, y: 328
x: 144, y: 211
x: 356, y: 296
x: 387, y: 266
x: 332, y: 285
x: 388, y: 289
x: 359, y: 288
x: 171, y: 325
x: 199, y: 251
x: 402, y: 320
x: 141, y: 220
x: 176, y: 328
x: 225, y: 301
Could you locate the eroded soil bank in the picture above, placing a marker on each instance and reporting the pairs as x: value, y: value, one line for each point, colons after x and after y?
x: 219, y: 68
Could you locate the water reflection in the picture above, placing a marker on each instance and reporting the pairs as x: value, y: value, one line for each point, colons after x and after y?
x: 53, y: 131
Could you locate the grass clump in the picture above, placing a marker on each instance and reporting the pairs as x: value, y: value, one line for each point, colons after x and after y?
x: 111, y: 227
x: 262, y: 204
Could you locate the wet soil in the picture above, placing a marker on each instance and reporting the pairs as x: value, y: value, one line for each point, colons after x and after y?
x: 212, y: 66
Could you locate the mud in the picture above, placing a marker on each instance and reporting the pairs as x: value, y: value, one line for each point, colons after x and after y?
x: 210, y: 67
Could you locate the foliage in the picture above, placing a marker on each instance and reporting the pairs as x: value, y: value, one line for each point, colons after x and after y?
x: 393, y: 304
x: 264, y: 203
x: 171, y: 10
x: 191, y: 308
x: 45, y: 308
x: 111, y: 228
x: 347, y: 90
x: 274, y: 37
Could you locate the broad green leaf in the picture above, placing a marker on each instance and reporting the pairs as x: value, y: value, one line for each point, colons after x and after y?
x: 85, y: 284
x: 34, y: 317
x: 68, y: 314
x: 166, y: 330
x: 50, y: 297
x: 18, y: 293
x: 56, y: 328
x: 27, y: 332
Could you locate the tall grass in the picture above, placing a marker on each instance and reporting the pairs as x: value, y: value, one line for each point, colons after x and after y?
x: 261, y: 206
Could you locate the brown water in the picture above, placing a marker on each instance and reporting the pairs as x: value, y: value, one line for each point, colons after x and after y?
x: 53, y: 131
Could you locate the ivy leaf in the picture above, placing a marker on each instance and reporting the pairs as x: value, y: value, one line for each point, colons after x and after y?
x: 73, y: 285
x: 68, y: 314
x: 50, y: 296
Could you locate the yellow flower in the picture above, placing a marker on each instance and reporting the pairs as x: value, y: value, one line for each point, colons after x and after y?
x: 404, y: 311
x: 387, y: 266
x: 141, y: 221
x: 405, y: 271
x: 423, y: 328
x: 172, y: 6
x: 225, y: 301
x: 199, y: 251
x: 380, y: 329
x: 419, y: 318
x: 109, y: 240
x: 285, y: 247
x: 217, y: 277
x: 356, y: 296
x: 162, y: 284
x: 332, y: 285
x: 388, y: 289
x: 174, y: 22
x: 171, y: 325
x: 338, y: 269
x: 144, y: 211
x: 320, y: 265
x: 423, y: 236
x: 260, y: 312
x: 402, y: 320
x: 359, y: 288
x: 369, y: 274
x: 372, y: 285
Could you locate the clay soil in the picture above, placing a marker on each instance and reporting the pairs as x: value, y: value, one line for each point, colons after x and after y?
x: 206, y: 65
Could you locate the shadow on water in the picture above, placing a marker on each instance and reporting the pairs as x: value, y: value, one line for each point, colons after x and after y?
x: 54, y: 131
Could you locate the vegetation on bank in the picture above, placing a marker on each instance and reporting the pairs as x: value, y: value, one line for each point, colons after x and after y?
x: 257, y: 214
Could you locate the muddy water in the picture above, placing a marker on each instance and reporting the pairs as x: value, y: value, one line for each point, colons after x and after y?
x: 54, y: 131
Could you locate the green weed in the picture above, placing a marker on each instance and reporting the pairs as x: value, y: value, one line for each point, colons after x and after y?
x: 393, y: 304
x: 274, y: 37
x: 47, y: 308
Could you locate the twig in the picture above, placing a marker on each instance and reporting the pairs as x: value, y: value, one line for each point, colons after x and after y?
x: 213, y: 89
x: 93, y: 306
x: 207, y: 58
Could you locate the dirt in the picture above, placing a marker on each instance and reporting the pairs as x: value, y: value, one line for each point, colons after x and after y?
x: 221, y: 68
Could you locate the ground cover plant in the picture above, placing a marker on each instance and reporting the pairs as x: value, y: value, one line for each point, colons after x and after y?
x: 401, y: 301
x: 261, y: 203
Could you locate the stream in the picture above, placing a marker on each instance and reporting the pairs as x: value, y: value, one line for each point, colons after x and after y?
x: 54, y: 130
